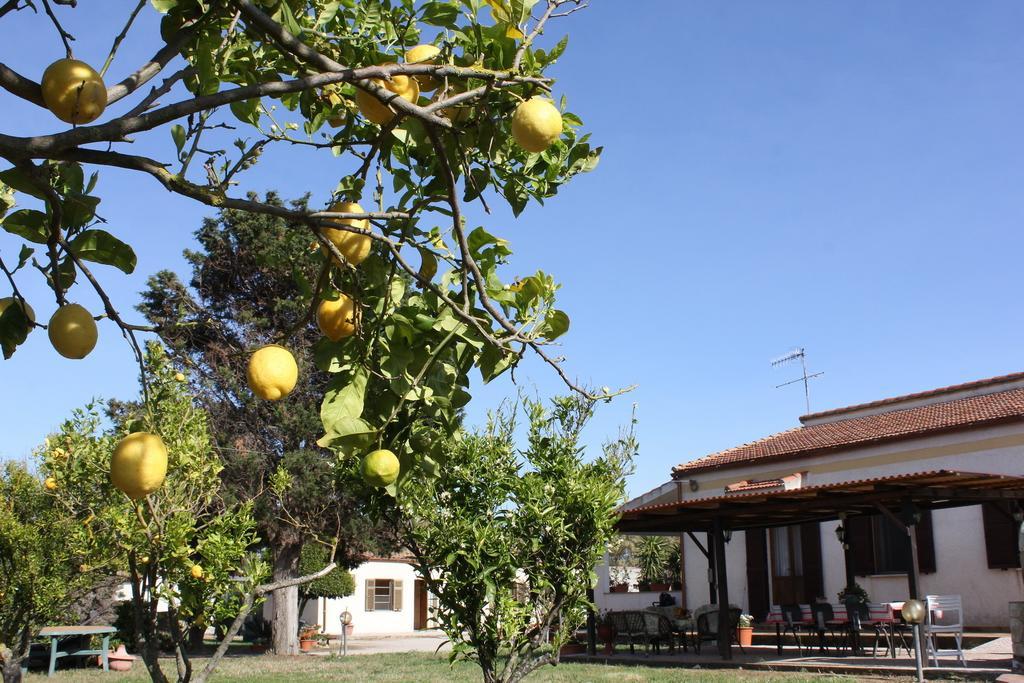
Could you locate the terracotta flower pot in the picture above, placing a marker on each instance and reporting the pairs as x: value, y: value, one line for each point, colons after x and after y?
x: 619, y: 588
x: 118, y: 660
x: 659, y: 587
x: 607, y: 635
x: 745, y: 635
x: 307, y: 645
x: 572, y: 649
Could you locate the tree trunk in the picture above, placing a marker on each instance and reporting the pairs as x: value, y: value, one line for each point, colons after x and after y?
x: 10, y: 664
x: 285, y: 619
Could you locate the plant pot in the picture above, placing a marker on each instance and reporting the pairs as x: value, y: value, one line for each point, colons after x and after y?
x: 745, y: 635
x: 643, y: 587
x: 572, y: 649
x: 118, y: 660
x: 307, y: 645
x: 659, y: 587
x: 619, y: 588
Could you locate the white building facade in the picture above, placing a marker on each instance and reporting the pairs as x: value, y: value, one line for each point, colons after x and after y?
x: 971, y: 551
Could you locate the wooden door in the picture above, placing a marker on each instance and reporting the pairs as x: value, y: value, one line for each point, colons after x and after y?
x: 787, y: 565
x: 419, y: 621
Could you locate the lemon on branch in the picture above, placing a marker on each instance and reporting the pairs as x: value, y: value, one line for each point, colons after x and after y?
x: 354, y: 246
x: 139, y: 464
x: 272, y: 372
x: 380, y: 468
x: 337, y: 319
x: 376, y: 111
x: 72, y: 331
x: 536, y: 124
x: 73, y: 91
x: 424, y: 54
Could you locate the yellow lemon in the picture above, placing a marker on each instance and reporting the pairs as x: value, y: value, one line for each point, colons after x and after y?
x: 25, y: 308
x: 459, y: 113
x: 536, y: 124
x: 373, y: 109
x: 73, y: 91
x: 50, y: 484
x: 272, y: 372
x: 139, y: 464
x: 72, y: 331
x: 353, y: 246
x: 424, y: 54
x: 380, y: 468
x: 337, y: 319
x: 179, y: 377
x: 197, y: 571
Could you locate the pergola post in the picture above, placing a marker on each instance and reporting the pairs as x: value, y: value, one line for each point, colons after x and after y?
x: 913, y: 574
x: 712, y: 571
x: 591, y: 625
x: 724, y: 635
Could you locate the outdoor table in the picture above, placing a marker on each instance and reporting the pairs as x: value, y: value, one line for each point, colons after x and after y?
x: 884, y: 617
x: 683, y: 627
x: 55, y: 633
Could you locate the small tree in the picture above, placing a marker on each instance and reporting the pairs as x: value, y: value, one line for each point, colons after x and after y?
x: 42, y: 566
x: 652, y: 555
x: 508, y: 540
x: 338, y: 584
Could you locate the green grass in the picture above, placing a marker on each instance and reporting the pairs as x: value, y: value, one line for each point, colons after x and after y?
x: 416, y: 667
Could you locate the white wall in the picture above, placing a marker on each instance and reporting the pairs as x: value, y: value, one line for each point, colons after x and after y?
x: 377, y: 622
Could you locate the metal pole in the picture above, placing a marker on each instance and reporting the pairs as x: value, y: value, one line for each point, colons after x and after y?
x: 917, y: 653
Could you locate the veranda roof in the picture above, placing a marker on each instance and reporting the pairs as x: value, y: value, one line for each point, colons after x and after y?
x: 760, y: 509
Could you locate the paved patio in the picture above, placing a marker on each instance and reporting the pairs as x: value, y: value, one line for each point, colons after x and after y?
x: 984, y: 662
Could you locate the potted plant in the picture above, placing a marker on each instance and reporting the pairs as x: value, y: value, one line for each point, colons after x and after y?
x: 854, y: 594
x: 652, y: 557
x: 745, y: 630
x: 572, y: 646
x: 606, y: 632
x: 308, y: 636
x: 618, y: 579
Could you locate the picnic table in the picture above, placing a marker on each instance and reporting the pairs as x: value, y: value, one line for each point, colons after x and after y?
x: 56, y: 633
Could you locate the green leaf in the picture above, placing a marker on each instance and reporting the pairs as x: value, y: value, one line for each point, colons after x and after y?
x: 246, y: 111
x: 28, y: 223
x: 556, y: 323
x: 342, y: 400
x: 163, y: 6
x: 178, y: 132
x: 14, y: 329
x: 24, y: 255
x: 78, y: 209
x: 102, y: 247
x: 440, y: 14
x: 20, y: 181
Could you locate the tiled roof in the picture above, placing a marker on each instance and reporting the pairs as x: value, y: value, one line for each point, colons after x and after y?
x: 962, y: 413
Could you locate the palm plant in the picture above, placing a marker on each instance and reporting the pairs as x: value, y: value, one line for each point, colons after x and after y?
x: 652, y: 558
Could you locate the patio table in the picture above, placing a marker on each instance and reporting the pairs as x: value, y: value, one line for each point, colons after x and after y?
x: 55, y: 633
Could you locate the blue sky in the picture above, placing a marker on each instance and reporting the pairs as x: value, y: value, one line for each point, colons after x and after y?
x: 840, y: 176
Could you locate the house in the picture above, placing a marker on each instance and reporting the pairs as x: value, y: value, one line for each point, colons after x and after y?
x: 390, y: 599
x: 949, y: 447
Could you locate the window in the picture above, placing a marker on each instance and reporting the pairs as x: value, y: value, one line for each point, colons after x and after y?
x: 892, y: 552
x: 383, y: 595
x: 1000, y: 529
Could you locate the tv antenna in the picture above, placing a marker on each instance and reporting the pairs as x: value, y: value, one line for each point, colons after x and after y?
x: 801, y: 355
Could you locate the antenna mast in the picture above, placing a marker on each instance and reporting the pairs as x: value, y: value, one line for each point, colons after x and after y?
x: 801, y: 355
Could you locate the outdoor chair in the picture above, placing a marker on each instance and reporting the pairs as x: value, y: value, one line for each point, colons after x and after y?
x: 858, y: 617
x: 793, y: 616
x: 630, y: 629
x: 887, y: 627
x: 658, y: 629
x: 945, y: 614
x: 824, y: 617
x: 707, y: 627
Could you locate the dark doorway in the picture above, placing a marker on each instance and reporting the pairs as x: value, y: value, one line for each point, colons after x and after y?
x: 796, y: 563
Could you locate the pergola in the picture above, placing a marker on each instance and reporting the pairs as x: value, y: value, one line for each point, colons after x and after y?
x: 899, y: 497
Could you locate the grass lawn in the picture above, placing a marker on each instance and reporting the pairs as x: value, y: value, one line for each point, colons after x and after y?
x: 417, y: 667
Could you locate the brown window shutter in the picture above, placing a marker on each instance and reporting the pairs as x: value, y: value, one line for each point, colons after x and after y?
x: 810, y: 544
x: 862, y: 545
x: 370, y: 593
x: 1000, y: 536
x: 396, y: 596
x: 757, y: 573
x: 925, y: 537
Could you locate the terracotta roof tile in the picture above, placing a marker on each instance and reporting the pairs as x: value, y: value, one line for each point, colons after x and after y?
x: 892, y: 425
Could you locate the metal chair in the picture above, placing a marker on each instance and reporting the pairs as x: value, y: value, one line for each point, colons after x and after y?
x: 824, y: 622
x: 658, y: 630
x: 707, y: 628
x: 793, y: 616
x: 945, y: 614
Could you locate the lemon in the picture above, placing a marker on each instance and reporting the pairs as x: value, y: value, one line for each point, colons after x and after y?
x: 380, y: 468
x: 424, y: 54
x: 272, y: 372
x: 337, y: 319
x: 536, y: 124
x: 196, y: 571
x: 139, y: 464
x: 50, y: 484
x: 353, y: 246
x: 373, y: 109
x: 459, y: 113
x: 73, y: 91
x: 72, y: 331
x: 25, y: 308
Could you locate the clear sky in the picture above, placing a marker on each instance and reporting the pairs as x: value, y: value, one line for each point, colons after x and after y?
x: 840, y: 176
